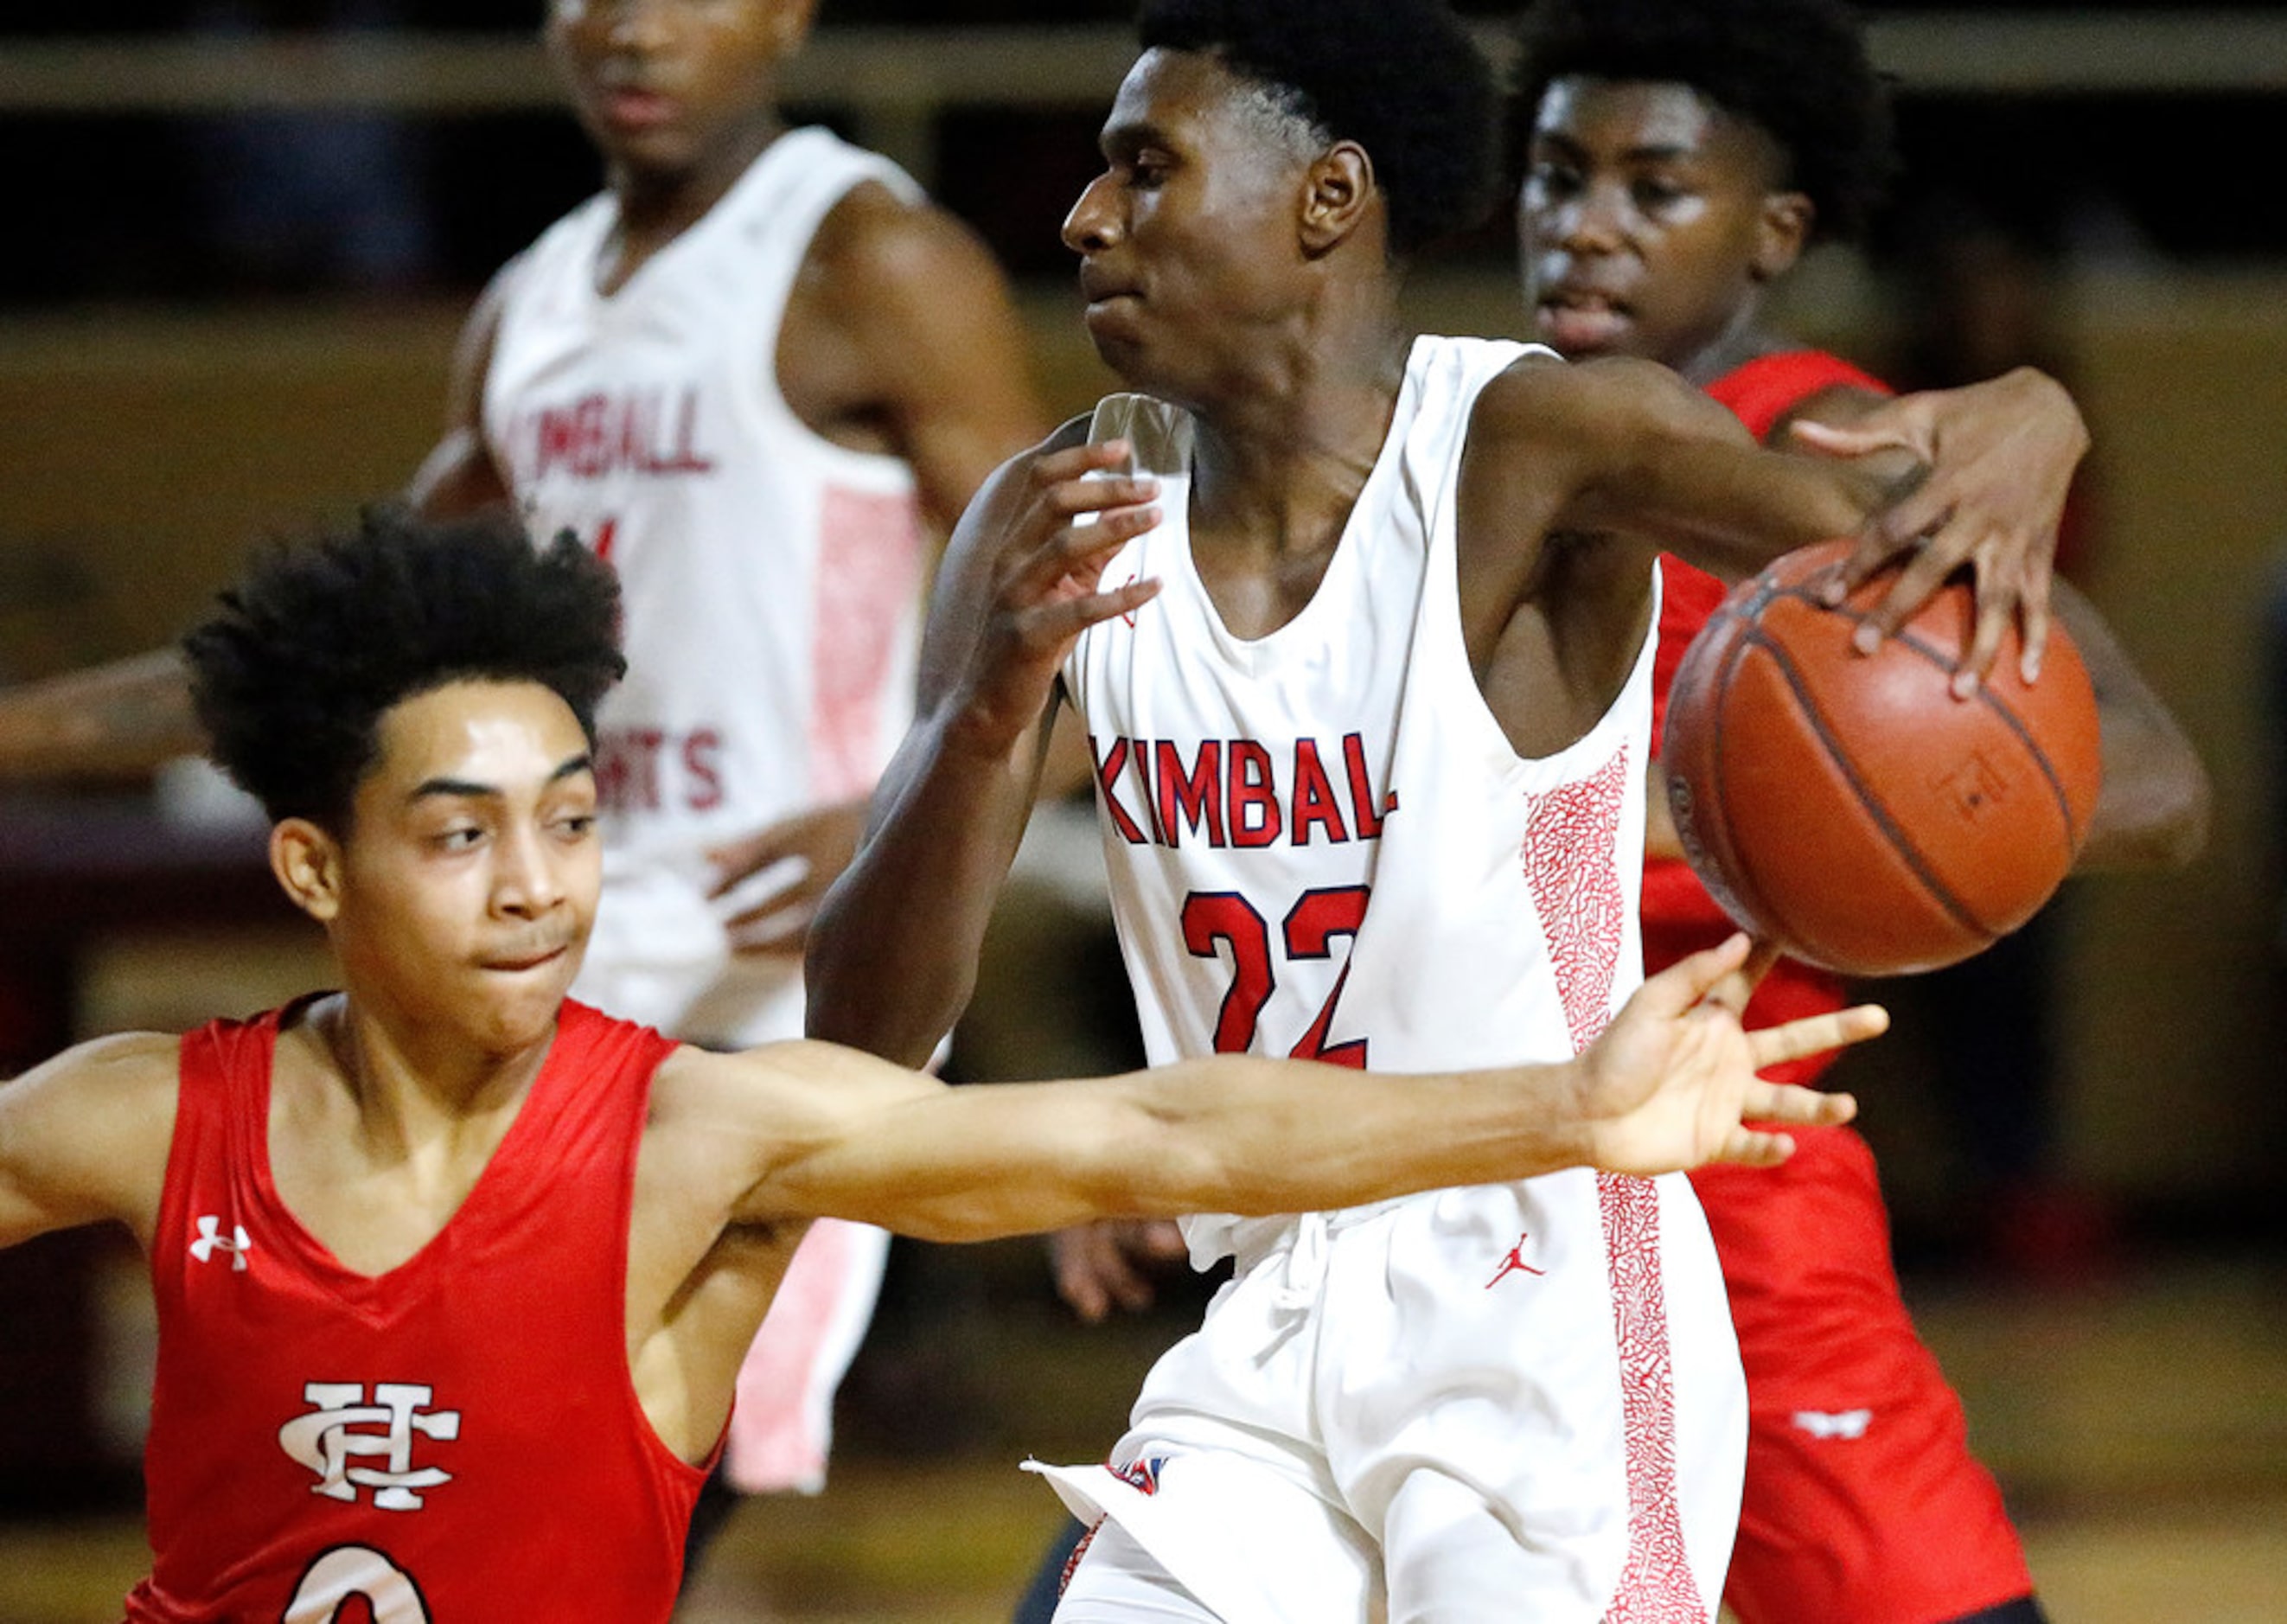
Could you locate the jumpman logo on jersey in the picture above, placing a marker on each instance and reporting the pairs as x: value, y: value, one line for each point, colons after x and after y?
x: 1514, y: 1264
x: 211, y: 1240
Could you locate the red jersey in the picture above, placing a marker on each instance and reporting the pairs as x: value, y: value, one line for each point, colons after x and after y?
x: 458, y: 1438
x: 1680, y: 918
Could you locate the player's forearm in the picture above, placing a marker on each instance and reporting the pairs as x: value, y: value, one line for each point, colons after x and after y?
x: 2153, y: 811
x: 116, y: 719
x: 1731, y: 511
x: 892, y: 957
x: 1252, y: 1135
x: 1229, y: 1133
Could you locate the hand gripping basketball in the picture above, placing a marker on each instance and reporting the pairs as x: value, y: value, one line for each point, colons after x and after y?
x: 1851, y: 806
x: 1671, y: 1083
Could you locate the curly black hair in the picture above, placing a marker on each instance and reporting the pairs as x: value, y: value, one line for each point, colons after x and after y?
x: 291, y: 677
x: 1797, y: 69
x: 1402, y: 78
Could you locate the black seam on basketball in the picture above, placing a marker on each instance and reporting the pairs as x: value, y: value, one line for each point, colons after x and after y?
x: 1755, y: 905
x: 1867, y: 802
x: 1913, y: 641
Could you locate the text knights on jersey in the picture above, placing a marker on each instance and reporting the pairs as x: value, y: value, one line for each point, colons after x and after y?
x: 1229, y: 793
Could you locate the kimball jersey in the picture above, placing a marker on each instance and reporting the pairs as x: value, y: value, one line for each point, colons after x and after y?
x: 1680, y: 918
x: 1320, y: 841
x: 771, y: 579
x: 458, y: 1438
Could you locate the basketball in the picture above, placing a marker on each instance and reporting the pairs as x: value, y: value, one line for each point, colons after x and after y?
x: 1847, y: 806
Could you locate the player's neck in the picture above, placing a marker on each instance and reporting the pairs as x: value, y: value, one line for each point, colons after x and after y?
x: 1743, y: 338
x: 1300, y: 437
x: 658, y: 205
x: 418, y: 1085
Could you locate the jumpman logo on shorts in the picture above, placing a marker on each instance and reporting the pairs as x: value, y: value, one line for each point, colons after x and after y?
x: 1514, y: 1264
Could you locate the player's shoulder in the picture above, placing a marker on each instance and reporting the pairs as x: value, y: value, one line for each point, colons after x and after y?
x: 123, y: 1061
x: 1542, y: 399
x: 109, y: 1102
x: 876, y: 242
x: 777, y: 1094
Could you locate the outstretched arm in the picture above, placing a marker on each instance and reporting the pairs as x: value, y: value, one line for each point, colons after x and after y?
x: 1668, y: 1085
x: 85, y: 1138
x: 892, y: 957
x: 109, y: 721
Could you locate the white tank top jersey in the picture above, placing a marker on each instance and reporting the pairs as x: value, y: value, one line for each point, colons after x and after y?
x: 1321, y: 841
x: 1520, y: 1399
x: 772, y: 579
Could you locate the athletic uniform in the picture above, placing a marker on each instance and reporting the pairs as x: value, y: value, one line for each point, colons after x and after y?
x: 772, y: 585
x: 1505, y: 1401
x: 1863, y: 1500
x: 458, y: 1438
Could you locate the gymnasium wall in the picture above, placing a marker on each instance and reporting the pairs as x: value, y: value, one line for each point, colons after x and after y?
x: 145, y: 452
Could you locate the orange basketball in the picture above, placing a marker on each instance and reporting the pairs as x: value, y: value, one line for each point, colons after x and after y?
x: 1847, y: 805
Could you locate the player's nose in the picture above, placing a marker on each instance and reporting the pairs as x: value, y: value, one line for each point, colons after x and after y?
x: 1092, y: 224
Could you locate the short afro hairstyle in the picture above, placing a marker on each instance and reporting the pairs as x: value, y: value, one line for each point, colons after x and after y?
x: 291, y: 676
x: 1402, y: 78
x: 1797, y: 69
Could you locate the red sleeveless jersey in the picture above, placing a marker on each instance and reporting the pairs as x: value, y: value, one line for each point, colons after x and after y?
x: 1680, y: 918
x: 456, y: 1439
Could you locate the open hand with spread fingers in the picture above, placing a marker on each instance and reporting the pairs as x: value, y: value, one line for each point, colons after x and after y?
x: 1670, y: 1083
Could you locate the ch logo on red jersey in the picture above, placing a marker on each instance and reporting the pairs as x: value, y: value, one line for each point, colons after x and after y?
x: 238, y: 1243
x: 343, y: 1433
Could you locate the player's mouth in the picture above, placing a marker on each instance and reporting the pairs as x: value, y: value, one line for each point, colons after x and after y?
x: 526, y: 959
x: 632, y: 109
x: 1576, y: 321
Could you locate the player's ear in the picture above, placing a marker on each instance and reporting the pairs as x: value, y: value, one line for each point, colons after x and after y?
x: 1782, y: 230
x: 790, y: 21
x: 308, y: 863
x: 1337, y: 192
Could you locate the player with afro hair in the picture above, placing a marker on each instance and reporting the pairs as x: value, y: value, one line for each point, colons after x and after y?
x: 1797, y: 69
x: 291, y: 677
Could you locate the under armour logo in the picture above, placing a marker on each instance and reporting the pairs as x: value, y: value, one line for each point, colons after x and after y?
x: 1514, y: 1264
x: 211, y: 1240
x: 325, y: 1443
x: 1834, y: 1424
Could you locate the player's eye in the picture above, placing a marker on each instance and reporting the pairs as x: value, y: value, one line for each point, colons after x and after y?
x: 1551, y: 182
x: 1651, y: 194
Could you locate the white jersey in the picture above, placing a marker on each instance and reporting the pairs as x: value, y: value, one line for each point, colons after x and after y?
x: 772, y: 580
x: 1321, y: 843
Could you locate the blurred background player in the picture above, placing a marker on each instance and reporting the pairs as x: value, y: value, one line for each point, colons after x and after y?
x: 760, y: 374
x: 1681, y: 158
